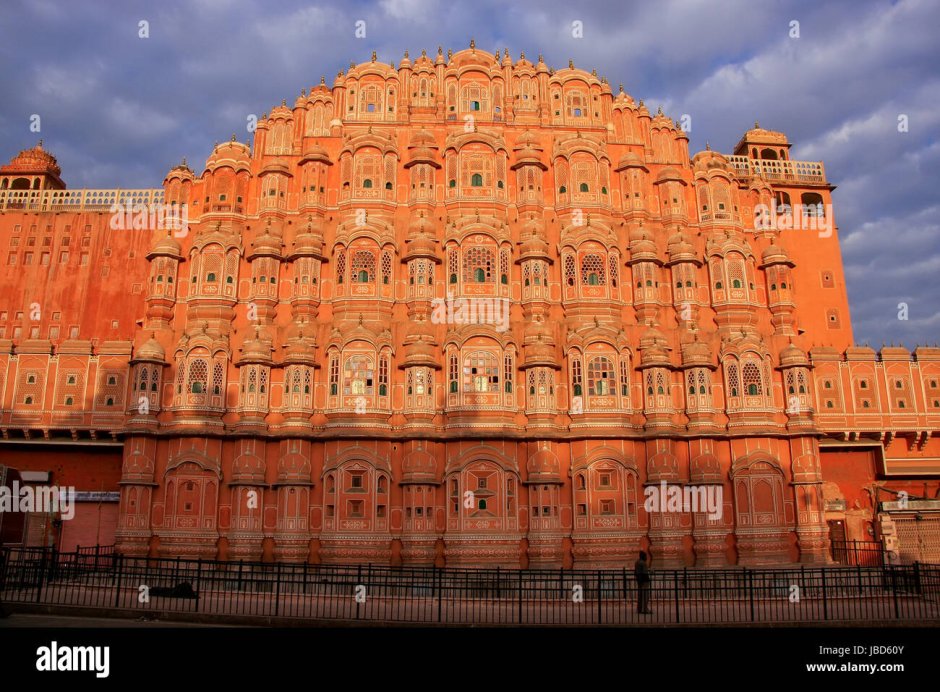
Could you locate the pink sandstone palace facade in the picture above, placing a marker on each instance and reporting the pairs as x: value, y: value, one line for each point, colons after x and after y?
x: 291, y: 378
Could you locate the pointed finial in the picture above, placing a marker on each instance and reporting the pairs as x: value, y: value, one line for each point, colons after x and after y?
x: 621, y: 88
x: 424, y: 53
x: 184, y: 161
x: 473, y: 44
x: 756, y: 125
x: 283, y: 102
x: 450, y: 54
x: 322, y: 80
x: 392, y: 64
x: 360, y: 319
x: 541, y: 59
x: 440, y: 51
x: 659, y: 111
x: 497, y: 55
x: 406, y: 53
x: 594, y: 72
x: 641, y: 103
x: 373, y: 56
x: 39, y: 146
x: 233, y: 136
x: 570, y: 64
x: 708, y: 147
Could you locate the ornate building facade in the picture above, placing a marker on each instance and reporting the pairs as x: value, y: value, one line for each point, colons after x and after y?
x: 319, y: 369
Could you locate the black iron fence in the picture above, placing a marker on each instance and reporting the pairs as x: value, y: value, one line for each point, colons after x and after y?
x: 135, y: 586
x: 863, y: 553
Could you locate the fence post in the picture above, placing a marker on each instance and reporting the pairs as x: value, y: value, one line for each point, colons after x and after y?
x: 277, y: 591
x: 498, y: 592
x: 600, y: 614
x: 198, y: 581
x: 439, y: 589
x: 894, y: 589
x: 917, y: 578
x: 97, y: 551
x: 822, y: 573
x: 117, y: 579
x: 675, y: 588
x: 520, y: 596
x: 750, y: 590
x: 42, y: 572
x: 356, y: 589
x: 855, y: 548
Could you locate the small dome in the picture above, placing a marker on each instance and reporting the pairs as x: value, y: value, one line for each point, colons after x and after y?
x: 774, y: 254
x: 268, y: 244
x: 255, y: 350
x: 233, y: 154
x: 543, y: 467
x: 419, y: 466
x: 35, y: 160
x: 792, y: 355
x: 166, y: 246
x: 314, y: 152
x: 150, y: 351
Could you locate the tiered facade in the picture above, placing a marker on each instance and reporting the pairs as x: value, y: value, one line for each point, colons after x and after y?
x: 292, y: 380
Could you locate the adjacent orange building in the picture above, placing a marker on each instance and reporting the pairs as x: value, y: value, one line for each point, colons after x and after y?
x: 463, y: 311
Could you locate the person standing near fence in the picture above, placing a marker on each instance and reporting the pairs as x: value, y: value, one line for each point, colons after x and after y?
x: 641, y: 572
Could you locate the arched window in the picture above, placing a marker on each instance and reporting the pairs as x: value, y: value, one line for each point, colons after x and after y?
x: 358, y: 376
x: 476, y: 180
x: 583, y: 187
x: 367, y: 183
x: 601, y: 381
x: 481, y: 372
x: 752, y: 378
x: 479, y: 264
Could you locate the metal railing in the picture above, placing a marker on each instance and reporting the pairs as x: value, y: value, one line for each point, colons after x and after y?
x: 133, y: 586
x: 858, y: 553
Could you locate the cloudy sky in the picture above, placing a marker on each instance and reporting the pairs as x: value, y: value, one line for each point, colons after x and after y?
x: 119, y: 110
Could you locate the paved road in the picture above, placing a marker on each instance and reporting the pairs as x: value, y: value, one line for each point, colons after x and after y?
x: 44, y: 620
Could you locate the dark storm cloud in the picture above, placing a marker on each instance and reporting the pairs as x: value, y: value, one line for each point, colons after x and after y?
x: 118, y: 110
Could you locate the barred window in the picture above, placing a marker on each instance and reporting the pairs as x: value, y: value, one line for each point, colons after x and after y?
x: 340, y: 267
x: 334, y: 375
x: 452, y: 373
x: 383, y: 376
x: 576, y: 377
x: 507, y: 373
x: 624, y: 377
